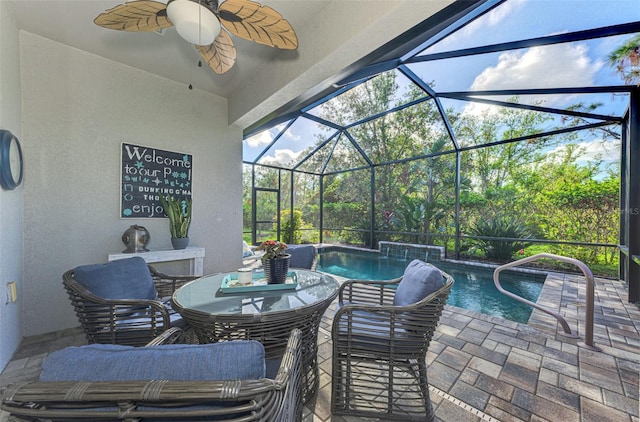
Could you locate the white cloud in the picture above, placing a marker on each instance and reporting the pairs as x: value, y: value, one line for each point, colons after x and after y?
x: 291, y: 136
x: 265, y: 137
x: 261, y: 139
x: 540, y: 67
x: 283, y: 157
x: 286, y: 155
x: 555, y: 66
x: 607, y: 150
x: 597, y: 149
x: 499, y: 14
x: 476, y: 28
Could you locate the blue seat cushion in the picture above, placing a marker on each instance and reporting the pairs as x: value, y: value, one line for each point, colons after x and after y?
x: 418, y: 281
x: 121, y: 279
x: 302, y: 256
x: 143, y: 321
x: 231, y: 360
x: 246, y: 250
x: 175, y: 318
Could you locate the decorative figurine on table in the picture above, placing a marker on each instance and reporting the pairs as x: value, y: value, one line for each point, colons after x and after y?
x: 136, y: 238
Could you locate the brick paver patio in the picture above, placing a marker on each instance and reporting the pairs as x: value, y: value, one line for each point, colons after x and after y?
x: 483, y: 368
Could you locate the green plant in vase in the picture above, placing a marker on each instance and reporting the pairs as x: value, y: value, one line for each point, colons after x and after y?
x: 179, y: 212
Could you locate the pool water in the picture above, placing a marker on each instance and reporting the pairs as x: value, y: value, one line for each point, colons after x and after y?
x: 473, y: 288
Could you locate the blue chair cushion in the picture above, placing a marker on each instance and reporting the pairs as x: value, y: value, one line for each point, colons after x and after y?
x: 302, y: 256
x: 231, y: 360
x: 144, y: 321
x: 419, y: 281
x: 121, y: 279
x: 246, y: 250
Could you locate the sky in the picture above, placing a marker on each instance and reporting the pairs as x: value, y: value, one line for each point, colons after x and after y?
x: 564, y: 65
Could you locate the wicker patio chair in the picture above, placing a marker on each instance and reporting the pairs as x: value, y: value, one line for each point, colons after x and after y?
x: 379, y: 348
x: 303, y: 256
x: 167, y: 284
x: 183, y: 388
x: 120, y: 302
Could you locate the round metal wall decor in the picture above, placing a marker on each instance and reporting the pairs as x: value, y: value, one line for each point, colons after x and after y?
x: 11, y: 163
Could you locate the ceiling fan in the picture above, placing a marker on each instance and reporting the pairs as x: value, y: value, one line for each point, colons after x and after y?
x: 205, y: 23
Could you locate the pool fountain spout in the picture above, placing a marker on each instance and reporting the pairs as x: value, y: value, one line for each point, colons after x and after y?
x: 387, y: 251
x: 406, y: 252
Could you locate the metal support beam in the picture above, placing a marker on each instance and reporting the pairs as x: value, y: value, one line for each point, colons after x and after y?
x: 456, y: 216
x: 623, y: 241
x: 254, y: 225
x: 632, y: 195
x: 372, y: 190
x: 321, y: 207
x: 291, y: 205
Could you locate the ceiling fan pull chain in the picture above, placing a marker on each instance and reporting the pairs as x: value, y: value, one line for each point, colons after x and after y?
x: 200, y: 22
x: 190, y: 75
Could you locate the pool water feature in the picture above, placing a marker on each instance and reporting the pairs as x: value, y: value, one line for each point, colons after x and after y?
x: 473, y: 288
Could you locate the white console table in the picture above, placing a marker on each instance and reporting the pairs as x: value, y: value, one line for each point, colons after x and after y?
x: 192, y: 253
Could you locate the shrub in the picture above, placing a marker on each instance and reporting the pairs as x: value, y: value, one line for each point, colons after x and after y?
x: 291, y: 232
x: 500, y: 227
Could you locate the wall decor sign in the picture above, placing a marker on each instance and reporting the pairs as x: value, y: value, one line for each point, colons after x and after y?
x: 147, y: 173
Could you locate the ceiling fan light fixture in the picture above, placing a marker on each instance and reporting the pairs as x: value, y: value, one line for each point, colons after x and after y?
x: 194, y: 21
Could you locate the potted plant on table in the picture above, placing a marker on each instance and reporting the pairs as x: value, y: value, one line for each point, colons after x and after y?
x: 275, y: 261
x: 179, y: 213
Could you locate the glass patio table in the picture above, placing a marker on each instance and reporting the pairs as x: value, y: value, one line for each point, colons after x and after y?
x: 266, y: 315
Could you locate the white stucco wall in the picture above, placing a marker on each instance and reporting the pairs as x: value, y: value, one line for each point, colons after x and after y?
x: 77, y: 110
x: 11, y: 202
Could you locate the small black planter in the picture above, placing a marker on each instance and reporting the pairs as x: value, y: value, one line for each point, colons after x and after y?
x: 180, y: 242
x: 275, y: 270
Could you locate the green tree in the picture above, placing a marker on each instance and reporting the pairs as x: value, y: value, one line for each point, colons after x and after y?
x: 575, y: 204
x: 626, y: 60
x: 430, y: 196
x: 290, y: 230
x: 394, y: 136
x: 495, y: 166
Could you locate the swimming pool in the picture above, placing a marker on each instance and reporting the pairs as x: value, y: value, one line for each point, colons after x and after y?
x: 473, y: 288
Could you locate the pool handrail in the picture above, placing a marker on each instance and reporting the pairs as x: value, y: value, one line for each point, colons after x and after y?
x: 588, y: 275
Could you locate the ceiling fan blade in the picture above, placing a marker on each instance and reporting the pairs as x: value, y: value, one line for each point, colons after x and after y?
x: 221, y: 55
x: 135, y: 16
x: 254, y: 22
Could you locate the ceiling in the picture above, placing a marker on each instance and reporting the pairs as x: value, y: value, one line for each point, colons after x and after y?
x: 71, y: 22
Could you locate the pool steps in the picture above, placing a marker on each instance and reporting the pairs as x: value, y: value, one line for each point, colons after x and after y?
x: 588, y: 275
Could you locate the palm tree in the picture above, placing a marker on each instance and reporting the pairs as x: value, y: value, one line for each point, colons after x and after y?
x: 626, y: 60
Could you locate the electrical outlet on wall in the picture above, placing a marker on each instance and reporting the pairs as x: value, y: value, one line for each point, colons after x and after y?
x: 11, y: 292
